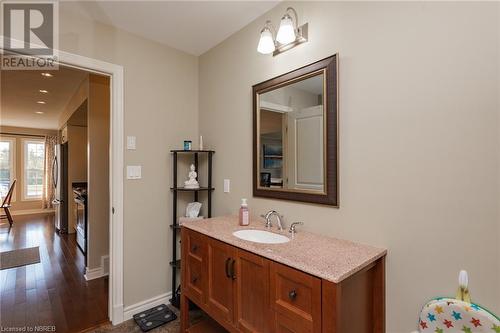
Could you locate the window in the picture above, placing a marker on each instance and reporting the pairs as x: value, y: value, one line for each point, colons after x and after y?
x: 34, y: 161
x: 7, y: 166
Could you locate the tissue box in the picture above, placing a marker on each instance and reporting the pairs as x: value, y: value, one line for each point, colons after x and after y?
x: 189, y: 219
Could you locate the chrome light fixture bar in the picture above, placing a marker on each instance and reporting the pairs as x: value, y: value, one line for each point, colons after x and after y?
x: 289, y: 35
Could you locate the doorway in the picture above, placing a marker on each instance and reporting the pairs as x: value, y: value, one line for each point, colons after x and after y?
x: 114, y: 73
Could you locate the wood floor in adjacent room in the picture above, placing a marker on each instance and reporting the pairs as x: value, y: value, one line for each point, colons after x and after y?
x: 54, y: 291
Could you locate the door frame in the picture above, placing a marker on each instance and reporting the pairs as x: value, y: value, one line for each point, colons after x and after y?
x: 116, y: 165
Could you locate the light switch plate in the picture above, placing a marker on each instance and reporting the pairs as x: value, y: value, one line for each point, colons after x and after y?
x: 131, y: 142
x: 227, y: 185
x: 134, y: 172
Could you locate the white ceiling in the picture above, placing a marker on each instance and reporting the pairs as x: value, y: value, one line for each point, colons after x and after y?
x: 19, y: 94
x: 191, y: 26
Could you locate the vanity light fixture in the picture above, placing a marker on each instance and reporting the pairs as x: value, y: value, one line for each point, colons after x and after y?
x: 289, y: 35
x: 286, y: 32
x: 266, y: 41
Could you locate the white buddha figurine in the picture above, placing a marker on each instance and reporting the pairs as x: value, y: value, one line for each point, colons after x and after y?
x: 192, y: 182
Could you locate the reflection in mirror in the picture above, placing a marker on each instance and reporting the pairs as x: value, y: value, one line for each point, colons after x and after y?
x: 292, y: 137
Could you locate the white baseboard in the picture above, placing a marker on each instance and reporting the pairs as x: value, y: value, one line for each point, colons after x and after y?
x: 131, y: 310
x: 31, y: 211
x: 94, y: 273
x: 117, y: 314
x: 98, y: 272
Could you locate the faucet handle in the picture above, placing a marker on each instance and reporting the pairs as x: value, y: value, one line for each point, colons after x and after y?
x: 293, y: 226
x: 266, y: 218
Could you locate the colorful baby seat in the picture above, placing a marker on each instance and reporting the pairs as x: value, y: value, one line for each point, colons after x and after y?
x: 445, y: 315
x: 457, y: 315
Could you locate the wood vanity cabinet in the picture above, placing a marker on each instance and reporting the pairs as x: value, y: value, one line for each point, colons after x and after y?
x: 245, y: 292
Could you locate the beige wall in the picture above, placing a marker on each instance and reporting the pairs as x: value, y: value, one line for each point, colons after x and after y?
x: 98, y: 173
x: 18, y: 204
x: 161, y: 103
x: 419, y: 158
x: 498, y: 138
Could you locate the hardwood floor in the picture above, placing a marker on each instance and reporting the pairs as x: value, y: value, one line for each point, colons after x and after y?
x: 53, y: 292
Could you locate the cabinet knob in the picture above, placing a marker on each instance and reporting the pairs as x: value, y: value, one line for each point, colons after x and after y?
x: 194, y: 248
x: 292, y: 295
x: 194, y: 280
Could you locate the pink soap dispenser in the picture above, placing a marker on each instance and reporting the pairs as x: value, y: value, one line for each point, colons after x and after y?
x: 244, y: 219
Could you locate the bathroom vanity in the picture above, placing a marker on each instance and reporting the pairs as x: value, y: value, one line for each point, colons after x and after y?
x: 311, y: 283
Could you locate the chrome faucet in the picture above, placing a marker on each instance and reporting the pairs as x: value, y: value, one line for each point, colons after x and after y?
x: 268, y: 217
x: 292, y: 229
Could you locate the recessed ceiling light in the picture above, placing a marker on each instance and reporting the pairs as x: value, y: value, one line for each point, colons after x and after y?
x: 41, y: 102
x: 47, y: 74
x: 39, y: 112
x: 43, y: 91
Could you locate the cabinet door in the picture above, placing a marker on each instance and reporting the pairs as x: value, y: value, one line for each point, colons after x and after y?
x: 194, y: 264
x: 220, y: 280
x: 252, y: 306
x: 296, y: 299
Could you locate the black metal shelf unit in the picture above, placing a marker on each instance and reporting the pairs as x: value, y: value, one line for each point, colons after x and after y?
x: 176, y: 263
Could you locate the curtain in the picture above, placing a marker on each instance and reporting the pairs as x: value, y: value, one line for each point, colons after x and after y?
x: 48, y: 184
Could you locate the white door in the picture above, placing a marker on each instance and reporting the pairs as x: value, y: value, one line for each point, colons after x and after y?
x: 306, y: 149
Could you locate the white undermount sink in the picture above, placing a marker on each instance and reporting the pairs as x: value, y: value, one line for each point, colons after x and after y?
x: 261, y: 236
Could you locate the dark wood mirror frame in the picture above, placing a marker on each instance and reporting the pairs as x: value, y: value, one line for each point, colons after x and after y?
x: 330, y: 197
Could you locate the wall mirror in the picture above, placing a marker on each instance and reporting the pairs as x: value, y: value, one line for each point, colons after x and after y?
x: 295, y: 135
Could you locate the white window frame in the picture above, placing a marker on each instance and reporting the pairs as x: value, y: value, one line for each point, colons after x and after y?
x: 25, y: 196
x: 13, y: 158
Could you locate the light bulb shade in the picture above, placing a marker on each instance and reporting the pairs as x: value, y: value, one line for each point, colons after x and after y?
x: 286, y: 32
x: 266, y: 42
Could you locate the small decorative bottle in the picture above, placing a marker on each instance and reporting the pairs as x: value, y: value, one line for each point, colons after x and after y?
x: 244, y: 219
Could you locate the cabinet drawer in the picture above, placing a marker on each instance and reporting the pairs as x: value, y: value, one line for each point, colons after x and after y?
x: 196, y: 244
x: 195, y: 279
x: 296, y: 296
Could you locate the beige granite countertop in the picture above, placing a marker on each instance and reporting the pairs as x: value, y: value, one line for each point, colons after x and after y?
x: 325, y: 257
